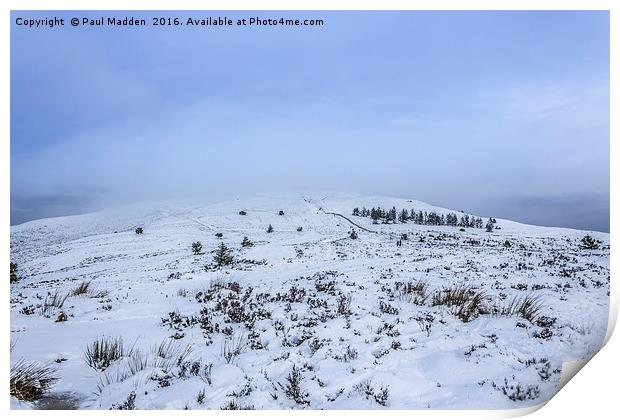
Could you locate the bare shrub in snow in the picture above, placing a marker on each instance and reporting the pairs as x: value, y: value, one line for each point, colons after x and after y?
x: 129, y: 403
x: 344, y: 305
x: 367, y: 389
x: 516, y: 392
x: 386, y: 308
x: 293, y: 390
x: 325, y: 286
x: 234, y: 405
x: 426, y: 323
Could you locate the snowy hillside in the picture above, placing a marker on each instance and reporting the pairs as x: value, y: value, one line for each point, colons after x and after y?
x: 405, y: 316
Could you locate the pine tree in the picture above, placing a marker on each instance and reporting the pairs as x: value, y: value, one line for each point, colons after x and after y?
x: 356, y: 211
x: 403, y: 216
x: 270, y: 229
x: 222, y: 256
x: 353, y: 234
x: 374, y: 215
x: 246, y: 243
x: 587, y: 242
x: 393, y: 215
x: 489, y: 225
x: 196, y: 247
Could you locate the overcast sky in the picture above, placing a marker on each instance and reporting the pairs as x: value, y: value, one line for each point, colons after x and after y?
x: 501, y: 114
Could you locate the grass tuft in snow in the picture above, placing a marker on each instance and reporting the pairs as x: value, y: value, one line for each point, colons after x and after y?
x: 103, y: 351
x: 29, y: 381
x: 233, y: 347
x: 53, y: 302
x: 455, y: 295
x: 416, y: 292
x: 82, y: 289
x: 170, y: 352
x: 468, y: 302
x: 528, y: 307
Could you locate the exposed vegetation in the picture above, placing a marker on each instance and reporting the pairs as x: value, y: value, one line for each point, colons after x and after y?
x: 103, y: 351
x: 223, y: 256
x: 197, y: 248
x: 13, y: 269
x: 82, y: 289
x: 30, y: 380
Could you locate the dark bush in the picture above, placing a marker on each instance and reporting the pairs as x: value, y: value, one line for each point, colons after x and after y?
x: 13, y: 278
x: 197, y: 247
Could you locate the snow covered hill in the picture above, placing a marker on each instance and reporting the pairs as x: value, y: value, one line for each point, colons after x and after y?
x: 405, y: 316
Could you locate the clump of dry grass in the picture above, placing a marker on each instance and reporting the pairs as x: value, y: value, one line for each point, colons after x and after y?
x: 103, y: 351
x: 475, y: 306
x: 82, y: 289
x: 416, y: 292
x: 170, y: 352
x: 52, y: 302
x: 528, y: 307
x: 166, y: 355
x: 30, y: 380
x: 455, y: 295
x: 469, y: 302
x: 233, y: 347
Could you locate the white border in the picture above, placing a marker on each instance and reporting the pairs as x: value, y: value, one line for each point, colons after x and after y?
x: 594, y: 392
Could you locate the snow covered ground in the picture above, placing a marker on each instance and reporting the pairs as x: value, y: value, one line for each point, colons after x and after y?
x: 303, y: 319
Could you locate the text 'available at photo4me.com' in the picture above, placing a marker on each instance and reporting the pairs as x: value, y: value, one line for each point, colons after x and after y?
x: 168, y: 21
